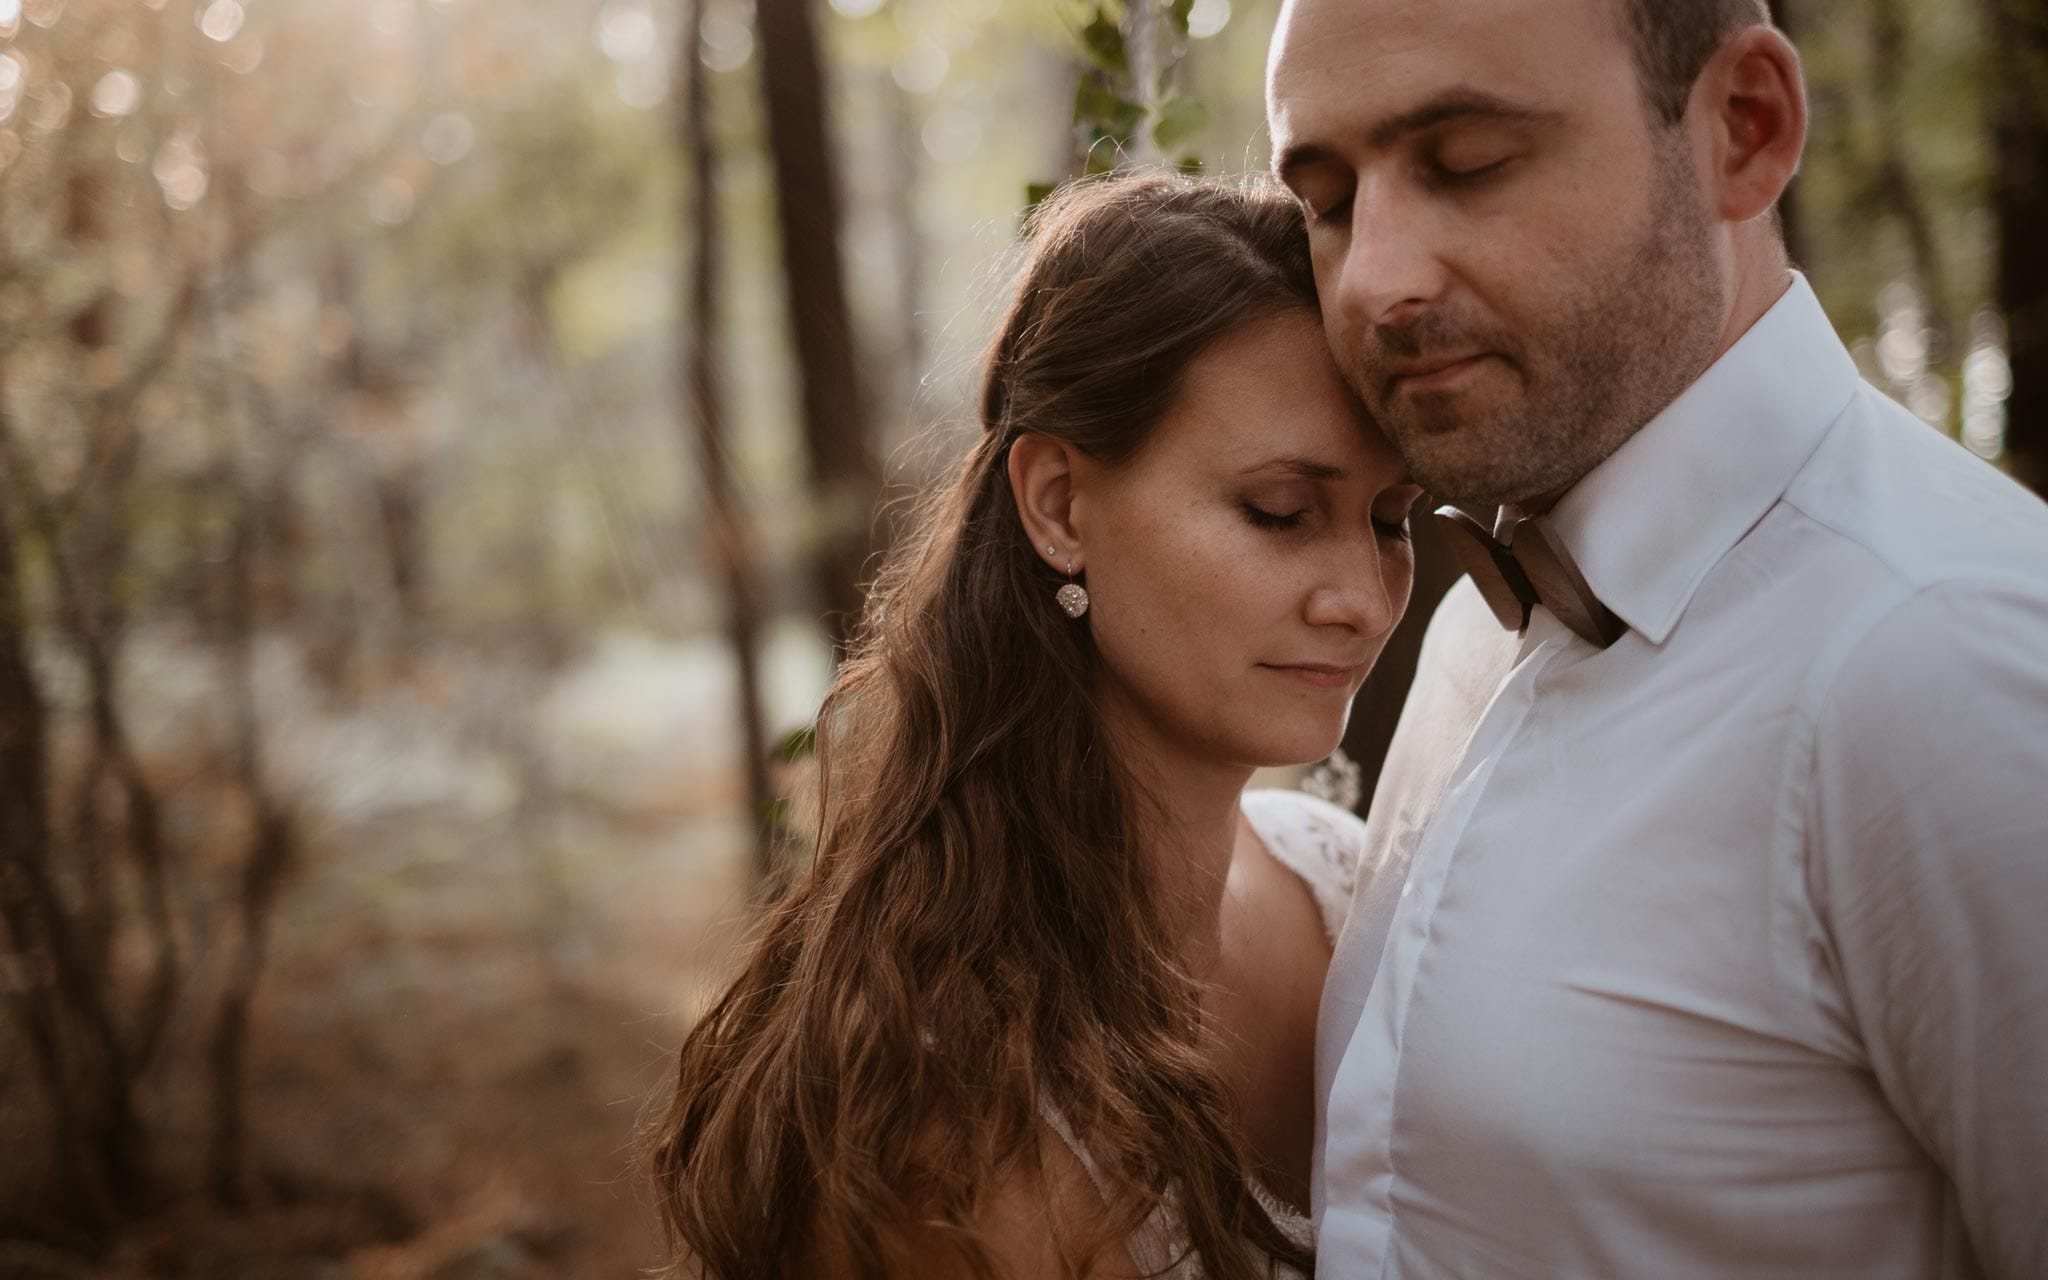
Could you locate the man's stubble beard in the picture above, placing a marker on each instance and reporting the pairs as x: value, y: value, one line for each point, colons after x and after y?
x: 1626, y: 343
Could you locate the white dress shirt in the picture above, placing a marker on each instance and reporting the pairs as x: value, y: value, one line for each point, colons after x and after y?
x: 1722, y: 952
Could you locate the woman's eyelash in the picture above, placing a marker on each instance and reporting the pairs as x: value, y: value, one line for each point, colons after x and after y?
x: 1264, y: 519
x: 1273, y: 519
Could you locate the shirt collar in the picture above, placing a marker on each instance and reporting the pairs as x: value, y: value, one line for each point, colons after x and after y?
x: 1647, y: 524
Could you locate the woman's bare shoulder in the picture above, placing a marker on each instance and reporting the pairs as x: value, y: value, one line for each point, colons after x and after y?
x: 1319, y: 842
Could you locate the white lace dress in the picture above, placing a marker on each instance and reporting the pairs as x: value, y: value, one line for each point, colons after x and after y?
x: 1324, y: 845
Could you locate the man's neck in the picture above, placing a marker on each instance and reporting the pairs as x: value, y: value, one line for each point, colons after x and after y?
x: 1759, y: 283
x: 1762, y: 276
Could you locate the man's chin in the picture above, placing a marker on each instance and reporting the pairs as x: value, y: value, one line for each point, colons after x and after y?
x: 1457, y: 464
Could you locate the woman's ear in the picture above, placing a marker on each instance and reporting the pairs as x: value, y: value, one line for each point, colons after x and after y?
x: 1755, y: 99
x: 1042, y: 482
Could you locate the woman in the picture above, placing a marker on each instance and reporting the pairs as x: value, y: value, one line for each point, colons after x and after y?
x: 1045, y: 1002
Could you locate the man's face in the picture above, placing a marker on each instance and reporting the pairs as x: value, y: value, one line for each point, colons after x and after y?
x: 1518, y: 267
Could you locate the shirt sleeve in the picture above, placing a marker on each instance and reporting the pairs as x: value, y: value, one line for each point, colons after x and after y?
x: 1927, y: 851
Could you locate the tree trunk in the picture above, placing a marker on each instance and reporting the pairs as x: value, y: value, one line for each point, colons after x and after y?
x: 1145, y: 36
x: 272, y: 849
x: 845, y: 474
x: 59, y: 1000
x: 906, y: 151
x: 1896, y: 187
x: 2019, y: 43
x: 704, y: 404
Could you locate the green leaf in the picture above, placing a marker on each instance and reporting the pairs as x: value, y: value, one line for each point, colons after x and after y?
x: 1178, y: 121
x: 796, y: 744
x: 1104, y: 41
x: 1110, y: 113
x: 1037, y: 193
x: 1190, y: 165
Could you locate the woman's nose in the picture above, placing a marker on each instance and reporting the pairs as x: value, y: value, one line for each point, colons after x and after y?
x: 1354, y: 593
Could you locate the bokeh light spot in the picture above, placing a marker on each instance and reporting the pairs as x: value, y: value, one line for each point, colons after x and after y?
x: 448, y: 138
x: 243, y: 56
x: 625, y: 31
x: 181, y: 170
x: 641, y: 84
x: 921, y: 67
x: 222, y: 20
x: 117, y: 94
x: 1208, y: 17
x: 727, y: 42
x: 392, y: 201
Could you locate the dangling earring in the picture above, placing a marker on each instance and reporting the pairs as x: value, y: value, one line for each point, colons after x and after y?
x: 1073, y: 597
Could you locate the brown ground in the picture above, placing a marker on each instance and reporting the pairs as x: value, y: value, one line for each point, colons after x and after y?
x: 456, y: 1037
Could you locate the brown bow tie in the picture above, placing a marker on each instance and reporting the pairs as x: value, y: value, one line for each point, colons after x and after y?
x: 1523, y: 564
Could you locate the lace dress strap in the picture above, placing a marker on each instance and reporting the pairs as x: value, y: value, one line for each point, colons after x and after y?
x: 1316, y: 840
x: 1155, y: 1247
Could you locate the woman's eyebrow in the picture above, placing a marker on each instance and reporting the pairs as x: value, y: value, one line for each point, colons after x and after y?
x: 1305, y: 468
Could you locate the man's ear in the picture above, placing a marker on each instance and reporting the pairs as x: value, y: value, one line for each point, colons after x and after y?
x: 1751, y: 99
x: 1042, y: 482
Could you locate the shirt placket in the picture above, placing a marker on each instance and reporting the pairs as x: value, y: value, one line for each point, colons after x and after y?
x: 1369, y: 1076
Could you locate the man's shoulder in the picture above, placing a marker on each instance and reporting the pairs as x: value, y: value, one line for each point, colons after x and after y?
x: 1898, y: 503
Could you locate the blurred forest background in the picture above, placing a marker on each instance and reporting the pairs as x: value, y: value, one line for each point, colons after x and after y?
x: 439, y: 443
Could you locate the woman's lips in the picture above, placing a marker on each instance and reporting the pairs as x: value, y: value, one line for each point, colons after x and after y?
x: 1319, y: 675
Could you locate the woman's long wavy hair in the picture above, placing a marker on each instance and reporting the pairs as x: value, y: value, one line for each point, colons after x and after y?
x: 980, y: 935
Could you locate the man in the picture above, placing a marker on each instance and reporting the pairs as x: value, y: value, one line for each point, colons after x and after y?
x: 1709, y: 935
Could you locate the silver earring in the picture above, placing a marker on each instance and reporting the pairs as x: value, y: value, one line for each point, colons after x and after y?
x: 1073, y: 597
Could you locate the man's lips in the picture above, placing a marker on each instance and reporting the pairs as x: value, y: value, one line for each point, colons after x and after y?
x: 1434, y: 371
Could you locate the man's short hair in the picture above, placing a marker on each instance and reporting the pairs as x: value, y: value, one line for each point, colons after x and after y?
x: 1673, y: 39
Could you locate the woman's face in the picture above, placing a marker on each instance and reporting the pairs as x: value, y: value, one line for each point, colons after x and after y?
x: 1247, y: 564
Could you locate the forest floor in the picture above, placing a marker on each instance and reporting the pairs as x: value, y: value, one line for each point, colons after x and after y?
x: 464, y: 1019
x: 435, y: 1096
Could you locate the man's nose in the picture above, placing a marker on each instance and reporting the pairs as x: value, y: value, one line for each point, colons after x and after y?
x: 1392, y: 266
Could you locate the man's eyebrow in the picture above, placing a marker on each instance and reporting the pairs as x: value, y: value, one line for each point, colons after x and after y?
x: 1452, y: 104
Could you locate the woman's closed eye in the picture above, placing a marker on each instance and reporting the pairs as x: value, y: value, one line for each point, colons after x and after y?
x: 1266, y: 519
x: 1391, y: 512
